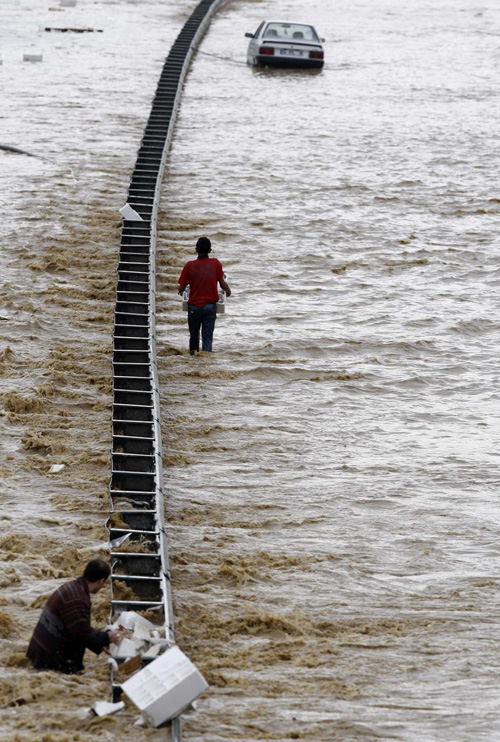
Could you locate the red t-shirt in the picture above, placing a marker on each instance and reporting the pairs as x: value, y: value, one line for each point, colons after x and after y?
x: 202, y: 275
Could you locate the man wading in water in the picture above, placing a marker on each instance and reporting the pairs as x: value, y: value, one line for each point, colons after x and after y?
x: 202, y: 276
x: 63, y: 632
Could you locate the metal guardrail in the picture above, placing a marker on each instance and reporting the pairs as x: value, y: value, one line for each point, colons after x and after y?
x: 136, y: 486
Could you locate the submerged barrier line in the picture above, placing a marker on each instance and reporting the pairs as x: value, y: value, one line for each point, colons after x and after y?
x: 140, y: 574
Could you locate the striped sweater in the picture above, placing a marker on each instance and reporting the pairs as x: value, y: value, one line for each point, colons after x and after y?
x: 64, y: 632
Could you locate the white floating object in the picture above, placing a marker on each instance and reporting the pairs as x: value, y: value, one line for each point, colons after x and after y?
x: 33, y: 58
x: 116, y: 542
x: 130, y: 214
x: 152, y: 652
x: 104, y: 708
x: 163, y: 689
x: 142, y: 632
x: 113, y: 664
x: 139, y: 644
x: 126, y: 648
x: 55, y: 468
x: 128, y: 620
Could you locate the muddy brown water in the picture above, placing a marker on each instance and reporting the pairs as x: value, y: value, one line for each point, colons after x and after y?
x: 331, y: 469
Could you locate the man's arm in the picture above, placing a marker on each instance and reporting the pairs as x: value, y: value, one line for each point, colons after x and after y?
x: 225, y: 286
x: 183, y: 279
x: 75, y: 615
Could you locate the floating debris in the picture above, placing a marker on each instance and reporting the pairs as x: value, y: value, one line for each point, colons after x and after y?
x: 105, y: 708
x: 73, y: 30
x: 130, y: 214
x: 56, y: 468
x: 119, y: 541
x: 166, y: 687
x: 141, y: 638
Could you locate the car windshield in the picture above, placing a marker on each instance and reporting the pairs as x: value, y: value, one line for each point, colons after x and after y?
x: 291, y: 32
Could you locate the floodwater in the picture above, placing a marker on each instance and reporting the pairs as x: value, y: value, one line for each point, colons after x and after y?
x: 331, y: 469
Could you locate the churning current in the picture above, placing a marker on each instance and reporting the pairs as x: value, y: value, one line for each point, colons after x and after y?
x: 333, y: 488
x: 331, y: 470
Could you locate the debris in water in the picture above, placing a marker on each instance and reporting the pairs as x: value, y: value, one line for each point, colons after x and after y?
x: 10, y: 148
x: 130, y: 214
x: 74, y: 30
x: 142, y: 638
x: 119, y: 541
x: 56, y: 468
x: 104, y: 708
x: 126, y: 648
x: 167, y: 686
x: 113, y: 664
x: 129, y: 619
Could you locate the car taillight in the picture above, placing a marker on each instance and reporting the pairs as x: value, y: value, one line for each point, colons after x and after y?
x: 266, y: 50
x: 316, y: 55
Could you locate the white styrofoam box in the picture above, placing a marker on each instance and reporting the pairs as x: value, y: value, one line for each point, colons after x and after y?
x: 163, y: 689
x: 139, y: 644
x: 126, y: 648
x: 142, y: 632
x: 152, y: 652
x: 129, y: 619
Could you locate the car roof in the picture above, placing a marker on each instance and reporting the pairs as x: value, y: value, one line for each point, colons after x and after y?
x: 292, y: 23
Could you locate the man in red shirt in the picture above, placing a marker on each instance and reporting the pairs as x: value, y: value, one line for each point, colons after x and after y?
x: 202, y: 276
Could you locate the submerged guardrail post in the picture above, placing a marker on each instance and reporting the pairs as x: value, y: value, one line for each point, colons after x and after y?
x: 140, y: 574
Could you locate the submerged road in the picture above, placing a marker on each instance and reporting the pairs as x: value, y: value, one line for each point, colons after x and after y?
x: 331, y: 469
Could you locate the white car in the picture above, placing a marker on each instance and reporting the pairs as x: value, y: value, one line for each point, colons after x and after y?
x: 285, y: 44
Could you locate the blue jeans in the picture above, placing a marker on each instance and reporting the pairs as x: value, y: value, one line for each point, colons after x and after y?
x: 203, y: 317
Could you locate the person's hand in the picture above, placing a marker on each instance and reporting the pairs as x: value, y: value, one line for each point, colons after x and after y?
x: 228, y: 292
x: 114, y: 637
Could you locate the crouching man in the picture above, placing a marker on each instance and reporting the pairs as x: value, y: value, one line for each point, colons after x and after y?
x: 63, y: 632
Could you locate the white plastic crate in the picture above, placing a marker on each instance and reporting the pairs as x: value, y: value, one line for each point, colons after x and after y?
x: 221, y: 304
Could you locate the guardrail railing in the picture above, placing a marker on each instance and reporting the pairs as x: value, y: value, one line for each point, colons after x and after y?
x: 140, y: 574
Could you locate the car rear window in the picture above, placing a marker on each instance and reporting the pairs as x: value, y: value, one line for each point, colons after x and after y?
x: 291, y: 32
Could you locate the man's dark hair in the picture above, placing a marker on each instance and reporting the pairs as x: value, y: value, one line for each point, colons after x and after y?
x: 96, y: 569
x: 204, y: 245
